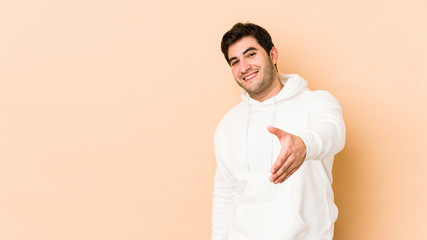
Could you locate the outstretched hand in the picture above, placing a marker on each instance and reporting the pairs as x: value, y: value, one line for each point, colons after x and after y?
x: 290, y: 158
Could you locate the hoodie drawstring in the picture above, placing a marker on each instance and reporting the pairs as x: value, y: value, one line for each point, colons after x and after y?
x: 247, y: 131
x: 272, y: 122
x: 273, y: 117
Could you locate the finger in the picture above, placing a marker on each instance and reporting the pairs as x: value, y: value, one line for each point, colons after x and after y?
x: 288, y: 162
x: 283, y: 155
x: 276, y: 131
x: 289, y: 174
x: 287, y: 167
x: 289, y: 171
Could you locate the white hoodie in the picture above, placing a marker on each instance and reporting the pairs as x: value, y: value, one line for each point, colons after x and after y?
x: 246, y: 205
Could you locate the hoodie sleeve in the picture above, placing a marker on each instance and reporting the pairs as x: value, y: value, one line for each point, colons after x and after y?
x: 223, y: 198
x: 325, y: 133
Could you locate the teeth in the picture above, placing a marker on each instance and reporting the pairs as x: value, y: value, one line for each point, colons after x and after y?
x: 250, y: 76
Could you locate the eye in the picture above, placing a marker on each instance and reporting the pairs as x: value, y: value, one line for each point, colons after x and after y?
x: 251, y: 54
x: 234, y: 62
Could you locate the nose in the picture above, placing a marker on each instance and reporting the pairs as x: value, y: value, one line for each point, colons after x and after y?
x: 244, y: 66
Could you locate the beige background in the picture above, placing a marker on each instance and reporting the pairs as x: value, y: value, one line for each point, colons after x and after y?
x: 108, y: 110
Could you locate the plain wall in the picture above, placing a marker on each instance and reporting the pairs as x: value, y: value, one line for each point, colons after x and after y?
x: 108, y: 110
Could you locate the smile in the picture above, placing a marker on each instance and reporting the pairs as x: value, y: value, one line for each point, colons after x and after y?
x: 247, y: 78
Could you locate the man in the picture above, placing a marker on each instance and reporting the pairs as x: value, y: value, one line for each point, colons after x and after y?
x: 274, y: 150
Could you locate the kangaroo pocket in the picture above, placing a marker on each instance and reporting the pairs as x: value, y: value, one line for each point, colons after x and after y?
x: 275, y: 220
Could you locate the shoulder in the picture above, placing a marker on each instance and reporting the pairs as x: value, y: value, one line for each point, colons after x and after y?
x: 318, y: 96
x: 321, y: 101
x: 324, y: 97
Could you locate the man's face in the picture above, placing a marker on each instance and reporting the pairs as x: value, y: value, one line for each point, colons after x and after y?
x: 253, y: 69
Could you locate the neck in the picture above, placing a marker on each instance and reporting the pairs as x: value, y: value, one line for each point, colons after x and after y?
x: 274, y: 89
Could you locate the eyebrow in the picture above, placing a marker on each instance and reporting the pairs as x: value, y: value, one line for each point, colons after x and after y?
x: 247, y: 50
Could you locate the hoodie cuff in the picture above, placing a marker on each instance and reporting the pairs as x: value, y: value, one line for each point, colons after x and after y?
x: 309, y: 139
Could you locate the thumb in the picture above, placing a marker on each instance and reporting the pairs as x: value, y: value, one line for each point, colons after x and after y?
x: 274, y: 130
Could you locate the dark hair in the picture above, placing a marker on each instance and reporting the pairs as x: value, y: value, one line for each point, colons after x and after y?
x: 240, y: 30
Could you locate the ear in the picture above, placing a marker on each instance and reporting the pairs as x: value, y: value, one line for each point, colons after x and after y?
x: 274, y: 54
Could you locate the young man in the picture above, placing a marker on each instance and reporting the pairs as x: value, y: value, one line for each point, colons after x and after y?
x: 274, y: 150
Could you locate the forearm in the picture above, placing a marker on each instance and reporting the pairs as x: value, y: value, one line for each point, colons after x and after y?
x: 325, y: 134
x: 223, y: 196
x: 222, y: 213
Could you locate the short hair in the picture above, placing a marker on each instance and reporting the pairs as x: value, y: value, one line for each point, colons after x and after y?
x: 240, y: 30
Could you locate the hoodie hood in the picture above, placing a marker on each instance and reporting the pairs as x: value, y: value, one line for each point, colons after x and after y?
x: 292, y: 85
